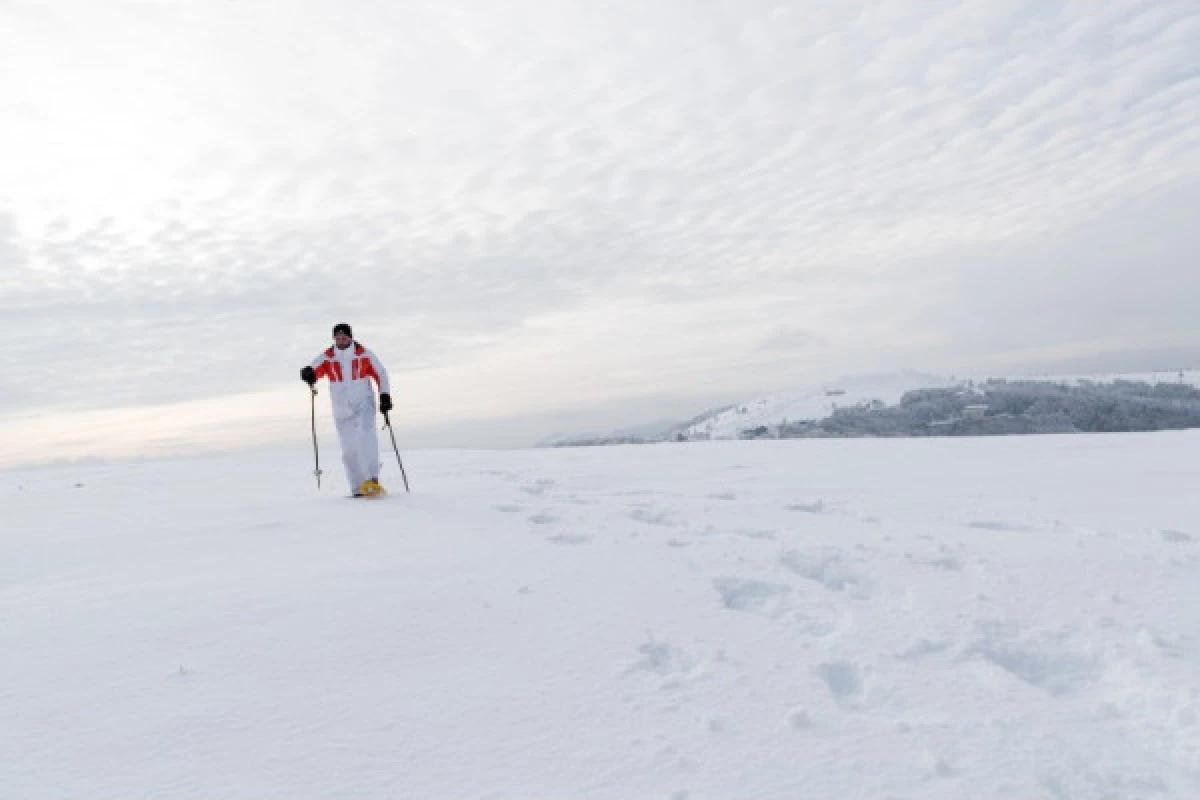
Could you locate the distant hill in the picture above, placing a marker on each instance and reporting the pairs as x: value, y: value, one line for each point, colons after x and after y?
x: 1001, y: 407
x: 654, y: 431
x: 796, y: 413
x: 811, y: 404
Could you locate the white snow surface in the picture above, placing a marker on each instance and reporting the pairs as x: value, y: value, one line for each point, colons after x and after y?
x: 1012, y: 617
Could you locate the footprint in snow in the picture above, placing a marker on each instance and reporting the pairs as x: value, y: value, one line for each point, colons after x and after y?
x: 755, y: 533
x: 948, y: 563
x: 509, y: 509
x: 844, y: 680
x: 755, y: 597
x: 1046, y: 663
x: 938, y: 767
x: 543, y: 518
x: 663, y: 659
x: 1175, y: 536
x: 923, y: 649
x: 799, y: 720
x: 775, y: 601
x: 825, y: 568
x: 1002, y: 527
x: 718, y: 725
x: 814, y: 507
x: 569, y: 538
x: 652, y: 517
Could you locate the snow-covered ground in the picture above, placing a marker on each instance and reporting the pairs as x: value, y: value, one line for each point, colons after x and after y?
x: 941, y: 618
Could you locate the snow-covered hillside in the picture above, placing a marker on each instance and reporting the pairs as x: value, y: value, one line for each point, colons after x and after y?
x: 817, y: 403
x: 810, y: 404
x: 868, y: 619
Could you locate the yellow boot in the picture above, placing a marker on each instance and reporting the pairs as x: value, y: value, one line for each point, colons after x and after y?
x: 371, y: 488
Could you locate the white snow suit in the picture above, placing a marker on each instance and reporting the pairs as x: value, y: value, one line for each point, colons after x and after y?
x: 350, y: 372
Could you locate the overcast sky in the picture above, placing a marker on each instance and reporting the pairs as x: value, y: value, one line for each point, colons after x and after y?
x: 546, y: 213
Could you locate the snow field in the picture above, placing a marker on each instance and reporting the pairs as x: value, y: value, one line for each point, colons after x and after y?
x: 951, y: 618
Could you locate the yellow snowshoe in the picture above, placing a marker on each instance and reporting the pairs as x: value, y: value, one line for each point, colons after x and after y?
x: 371, y: 488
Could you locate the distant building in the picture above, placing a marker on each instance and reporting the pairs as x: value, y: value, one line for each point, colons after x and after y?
x: 975, y: 412
x: 761, y: 432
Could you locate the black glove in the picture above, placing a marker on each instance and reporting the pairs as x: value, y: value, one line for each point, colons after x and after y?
x: 385, y: 403
x: 308, y: 376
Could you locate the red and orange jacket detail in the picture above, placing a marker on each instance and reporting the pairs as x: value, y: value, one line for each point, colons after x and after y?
x: 350, y: 373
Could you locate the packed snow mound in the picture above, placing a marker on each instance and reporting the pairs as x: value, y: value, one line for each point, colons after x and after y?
x: 930, y: 619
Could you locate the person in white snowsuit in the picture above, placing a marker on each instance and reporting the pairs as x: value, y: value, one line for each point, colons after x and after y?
x: 350, y: 368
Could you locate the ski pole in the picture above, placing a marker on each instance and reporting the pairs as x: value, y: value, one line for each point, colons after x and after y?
x: 316, y: 452
x: 388, y: 424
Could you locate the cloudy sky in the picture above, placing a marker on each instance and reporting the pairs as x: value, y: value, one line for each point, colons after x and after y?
x: 555, y: 213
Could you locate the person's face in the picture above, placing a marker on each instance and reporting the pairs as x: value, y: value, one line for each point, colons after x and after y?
x: 342, y: 341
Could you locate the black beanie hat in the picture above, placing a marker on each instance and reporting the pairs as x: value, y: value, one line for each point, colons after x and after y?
x: 342, y: 327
